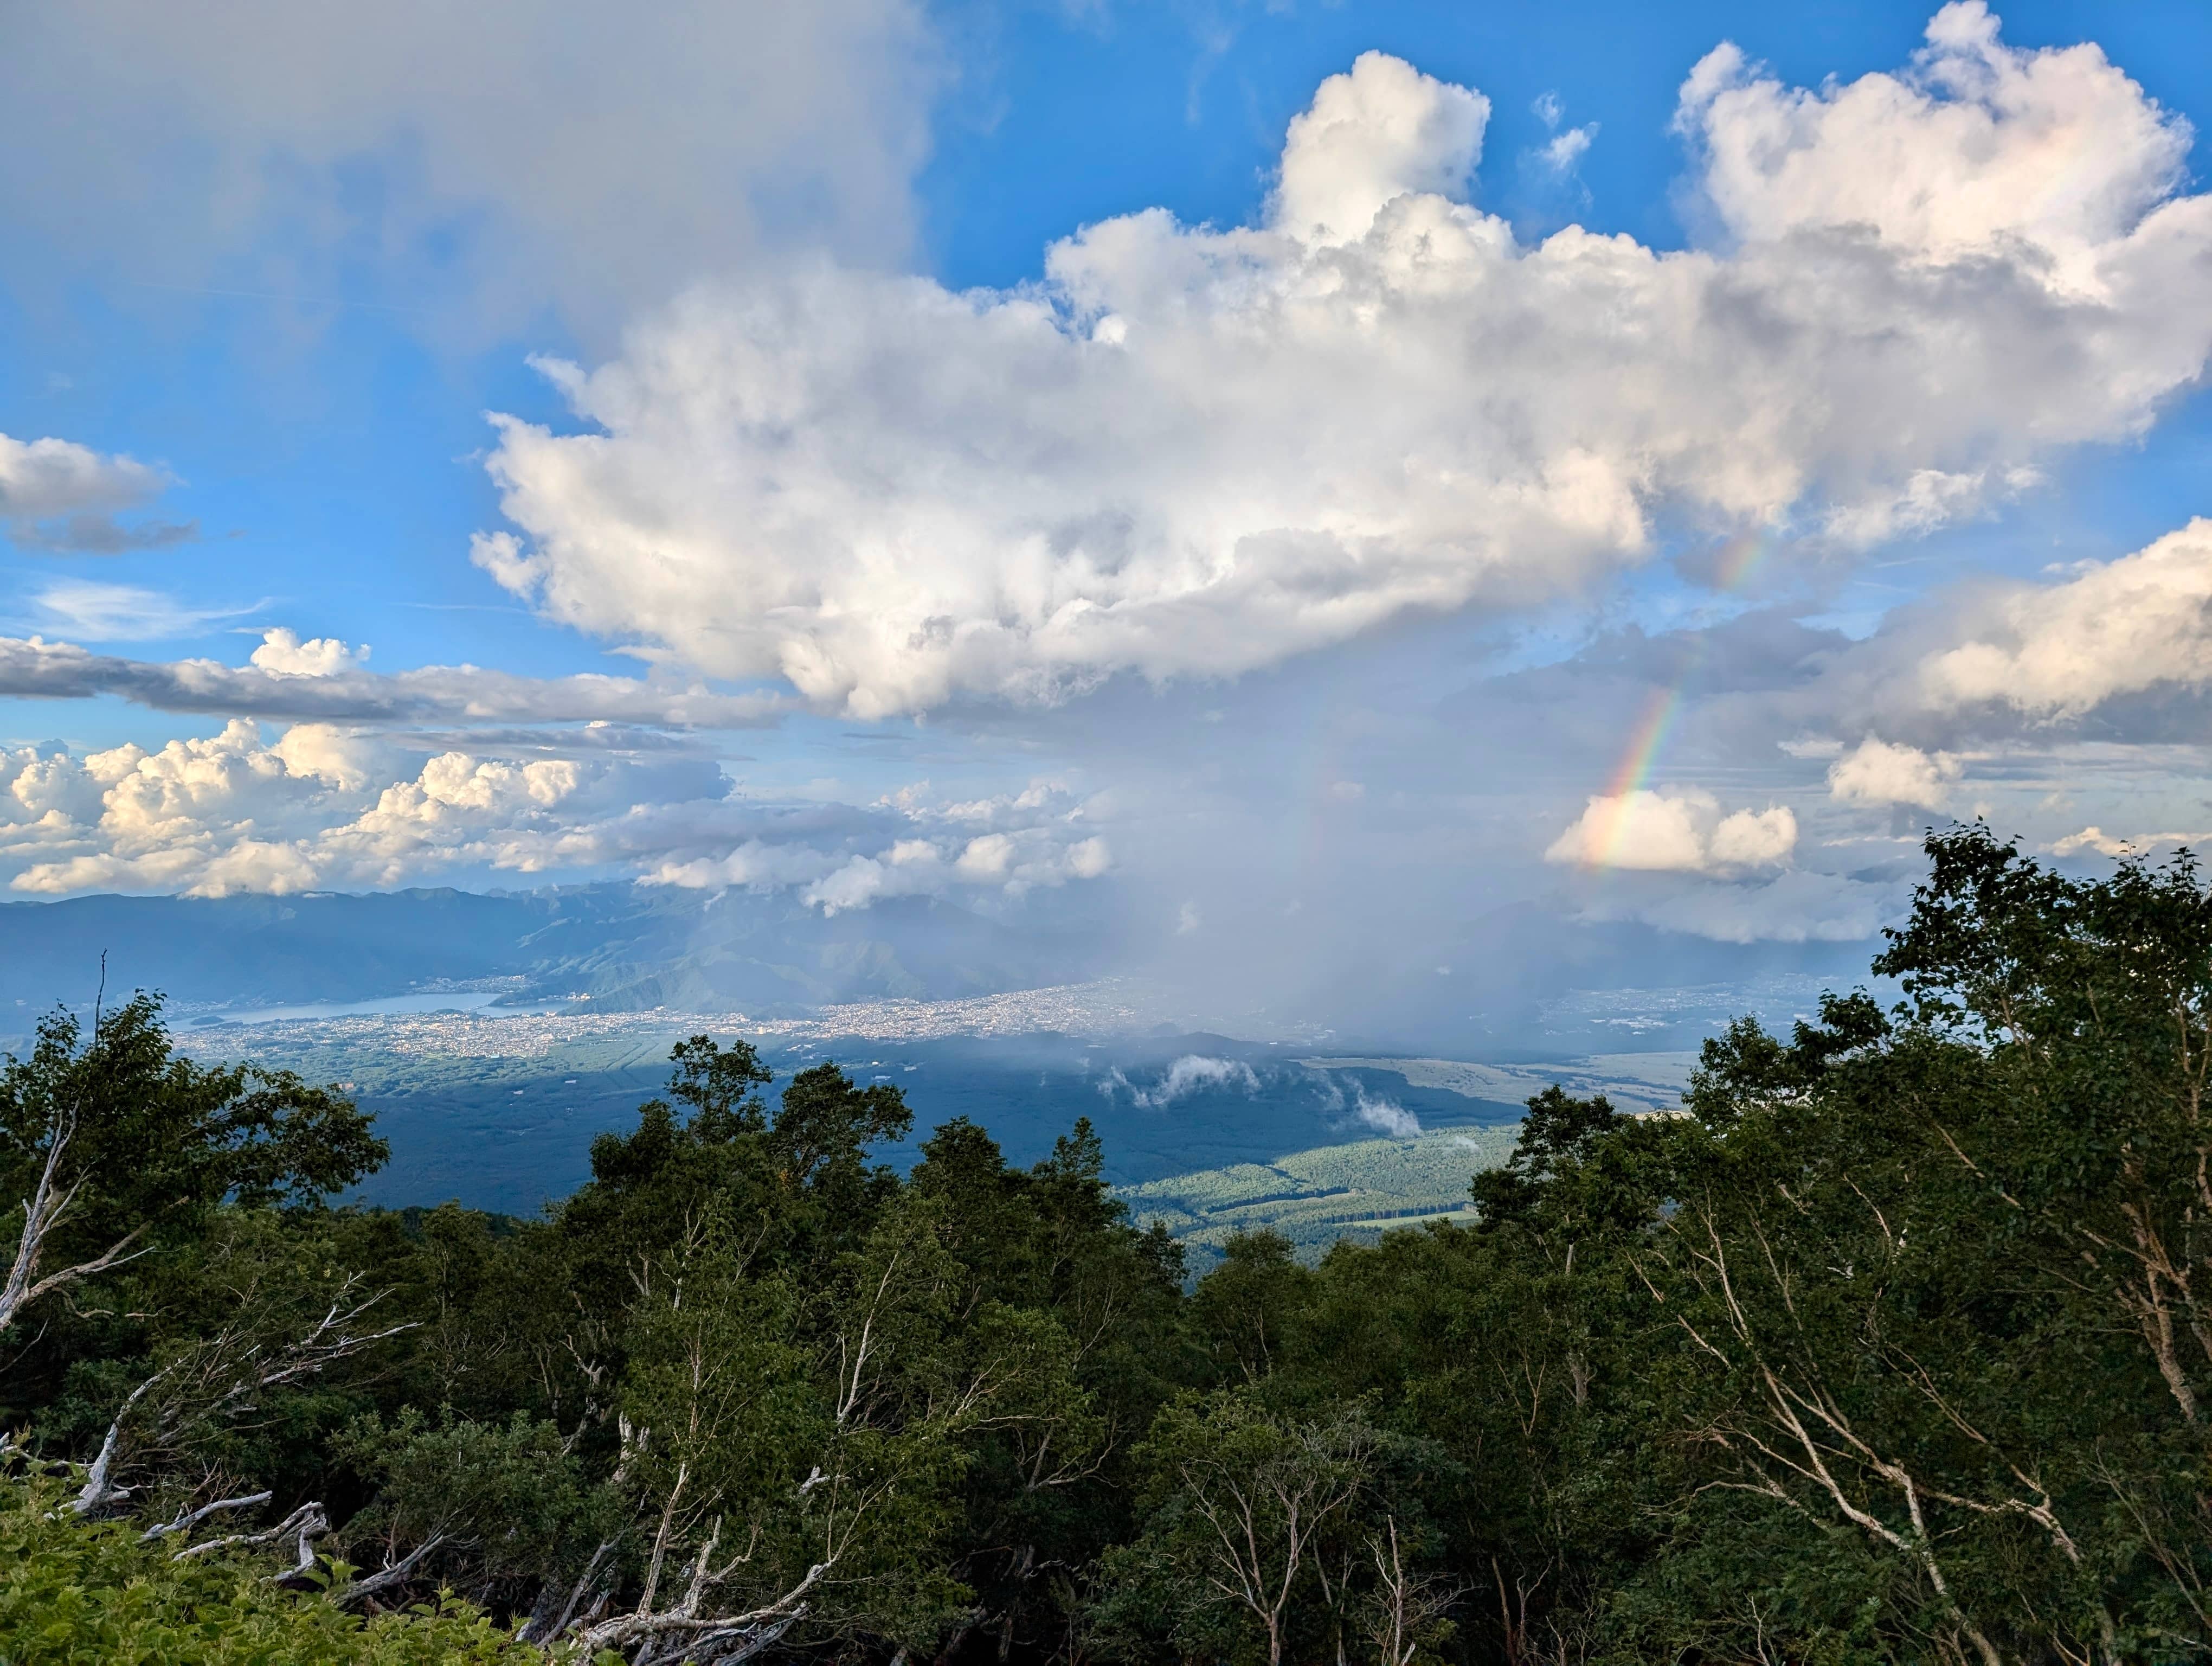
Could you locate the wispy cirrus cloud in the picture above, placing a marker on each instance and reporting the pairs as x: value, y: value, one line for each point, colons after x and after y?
x: 125, y: 612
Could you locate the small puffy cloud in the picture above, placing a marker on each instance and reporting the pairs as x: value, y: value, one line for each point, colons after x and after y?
x: 57, y: 495
x: 1025, y: 806
x: 1928, y: 498
x: 911, y: 867
x: 2106, y: 844
x: 1753, y: 838
x: 1036, y: 840
x: 282, y: 654
x: 1880, y: 772
x: 1041, y: 855
x: 986, y: 857
x: 1386, y: 1117
x: 1194, y: 1072
x: 43, y: 478
x: 1191, y: 451
x: 2116, y: 628
x: 755, y: 864
x: 1559, y: 156
x: 1638, y: 829
x: 348, y: 759
x: 1563, y: 153
x: 2096, y: 839
x: 1088, y: 858
x: 1382, y: 131
x: 1679, y: 830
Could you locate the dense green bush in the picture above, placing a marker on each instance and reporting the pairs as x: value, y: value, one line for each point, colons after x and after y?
x: 76, y: 1592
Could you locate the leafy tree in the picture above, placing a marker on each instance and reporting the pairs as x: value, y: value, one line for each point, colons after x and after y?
x: 500, y: 1509
x: 1902, y: 1244
x: 119, y: 1146
x: 1263, y: 1533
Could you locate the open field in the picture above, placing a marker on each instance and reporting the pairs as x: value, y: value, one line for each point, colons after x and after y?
x: 1314, y: 1197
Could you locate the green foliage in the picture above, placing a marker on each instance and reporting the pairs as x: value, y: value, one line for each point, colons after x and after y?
x: 73, y: 1592
x: 150, y: 1150
x: 159, y: 1136
x: 507, y: 1504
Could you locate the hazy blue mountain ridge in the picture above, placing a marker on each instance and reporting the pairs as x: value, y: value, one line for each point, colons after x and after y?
x: 628, y: 947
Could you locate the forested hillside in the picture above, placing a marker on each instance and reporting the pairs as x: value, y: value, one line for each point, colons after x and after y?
x: 1896, y: 1345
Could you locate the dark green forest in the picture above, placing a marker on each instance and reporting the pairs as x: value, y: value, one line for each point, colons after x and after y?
x: 1892, y: 1345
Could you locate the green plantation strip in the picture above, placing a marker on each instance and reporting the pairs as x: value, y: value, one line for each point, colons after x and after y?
x: 1314, y: 1197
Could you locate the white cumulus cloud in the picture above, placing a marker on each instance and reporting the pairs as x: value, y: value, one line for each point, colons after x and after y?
x: 323, y: 806
x: 2116, y: 628
x: 40, y: 478
x: 283, y: 654
x: 1975, y: 146
x: 1382, y: 131
x: 1190, y: 451
x: 1878, y: 772
x: 2107, y: 844
x: 1676, y: 830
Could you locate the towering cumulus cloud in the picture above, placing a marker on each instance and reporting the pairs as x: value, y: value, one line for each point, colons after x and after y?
x: 1193, y: 452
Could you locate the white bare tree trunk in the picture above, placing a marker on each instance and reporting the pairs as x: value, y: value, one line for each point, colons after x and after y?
x: 44, y: 1211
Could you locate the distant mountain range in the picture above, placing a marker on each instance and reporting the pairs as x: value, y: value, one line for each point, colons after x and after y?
x: 628, y: 947
x: 1519, y: 983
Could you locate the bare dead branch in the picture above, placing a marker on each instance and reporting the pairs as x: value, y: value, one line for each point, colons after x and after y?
x: 534, y: 1633
x: 391, y: 1574
x: 684, y: 1621
x: 185, y: 1522
x: 307, y: 1521
x: 44, y: 1211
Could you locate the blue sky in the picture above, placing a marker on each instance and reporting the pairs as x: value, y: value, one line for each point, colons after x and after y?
x: 1312, y: 582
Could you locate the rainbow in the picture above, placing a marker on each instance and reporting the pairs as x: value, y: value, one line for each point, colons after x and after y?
x: 1739, y: 558
x: 1630, y: 774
